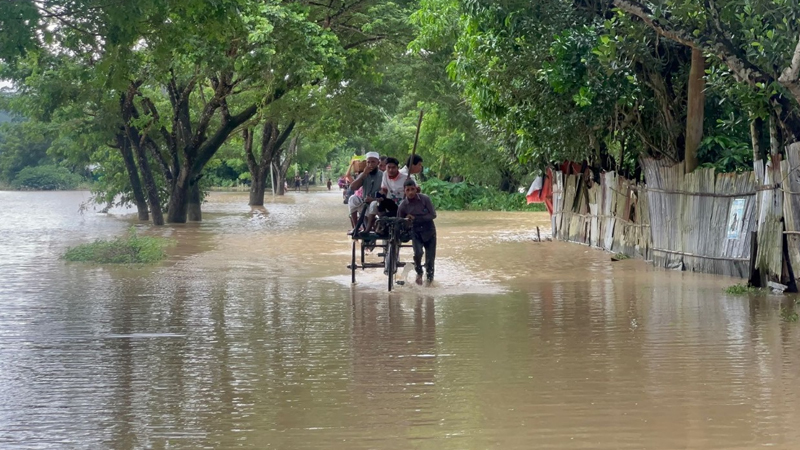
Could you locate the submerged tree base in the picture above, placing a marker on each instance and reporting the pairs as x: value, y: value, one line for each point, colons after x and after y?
x: 130, y: 249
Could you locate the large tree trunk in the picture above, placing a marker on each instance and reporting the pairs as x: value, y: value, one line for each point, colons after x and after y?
x: 147, y: 175
x: 272, y: 140
x: 195, y: 201
x: 258, y: 188
x: 137, y: 142
x: 283, y: 167
x: 695, y: 109
x: 179, y: 199
x: 282, y: 172
x: 150, y: 186
x: 256, y: 167
x: 281, y: 179
x: 124, y: 145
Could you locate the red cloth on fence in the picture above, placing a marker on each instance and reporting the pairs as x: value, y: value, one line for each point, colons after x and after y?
x: 541, y: 191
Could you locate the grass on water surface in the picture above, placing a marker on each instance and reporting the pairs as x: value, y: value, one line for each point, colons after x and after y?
x: 128, y: 249
x: 742, y: 289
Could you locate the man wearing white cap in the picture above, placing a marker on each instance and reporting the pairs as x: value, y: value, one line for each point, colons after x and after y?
x: 370, y: 179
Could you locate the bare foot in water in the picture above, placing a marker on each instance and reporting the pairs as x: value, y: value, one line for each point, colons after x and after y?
x: 419, y: 280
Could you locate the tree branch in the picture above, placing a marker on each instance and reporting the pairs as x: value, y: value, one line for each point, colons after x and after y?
x: 742, y: 69
x: 363, y: 41
x: 790, y: 74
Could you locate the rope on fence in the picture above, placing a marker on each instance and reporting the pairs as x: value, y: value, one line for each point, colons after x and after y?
x: 718, y: 258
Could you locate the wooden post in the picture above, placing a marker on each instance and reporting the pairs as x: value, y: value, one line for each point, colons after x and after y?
x: 755, y: 138
x: 755, y: 279
x: 416, y: 137
x: 695, y: 109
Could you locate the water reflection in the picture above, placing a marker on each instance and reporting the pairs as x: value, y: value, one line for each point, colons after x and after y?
x: 250, y: 336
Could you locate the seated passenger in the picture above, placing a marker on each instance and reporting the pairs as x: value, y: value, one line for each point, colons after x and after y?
x: 413, y: 166
x: 370, y: 182
x: 393, y: 181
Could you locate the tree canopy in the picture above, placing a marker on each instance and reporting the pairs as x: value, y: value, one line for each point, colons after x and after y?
x: 158, y: 94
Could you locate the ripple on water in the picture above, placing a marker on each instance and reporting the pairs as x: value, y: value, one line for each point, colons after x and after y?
x: 251, y: 336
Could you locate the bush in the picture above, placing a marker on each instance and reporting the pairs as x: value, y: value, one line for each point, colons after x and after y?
x: 467, y: 196
x: 742, y: 289
x: 46, y: 178
x: 130, y: 249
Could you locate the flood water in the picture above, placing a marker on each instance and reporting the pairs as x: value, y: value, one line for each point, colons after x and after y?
x: 251, y: 336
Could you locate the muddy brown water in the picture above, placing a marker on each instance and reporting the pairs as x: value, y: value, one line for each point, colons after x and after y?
x: 250, y: 336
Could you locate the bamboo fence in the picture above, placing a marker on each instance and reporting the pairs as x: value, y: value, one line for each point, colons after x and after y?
x: 679, y: 221
x: 790, y: 177
x: 609, y: 215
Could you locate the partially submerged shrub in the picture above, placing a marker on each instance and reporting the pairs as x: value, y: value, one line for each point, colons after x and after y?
x: 130, y: 249
x: 789, y: 315
x: 741, y: 289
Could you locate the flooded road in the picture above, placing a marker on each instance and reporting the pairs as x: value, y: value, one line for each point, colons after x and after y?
x: 250, y: 336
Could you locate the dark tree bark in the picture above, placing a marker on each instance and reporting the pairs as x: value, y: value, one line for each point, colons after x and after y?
x: 124, y: 145
x: 271, y: 148
x: 756, y: 126
x: 695, y: 109
x: 137, y: 141
x: 178, y: 205
x: 194, y: 210
x: 150, y: 185
x: 192, y: 147
x: 283, y: 166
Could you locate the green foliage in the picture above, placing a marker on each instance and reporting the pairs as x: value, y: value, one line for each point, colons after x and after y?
x: 742, y: 289
x: 22, y: 144
x: 46, y: 178
x: 725, y: 154
x: 552, y: 81
x: 129, y: 249
x: 196, y: 72
x: 448, y: 196
x: 228, y: 172
x: 789, y: 315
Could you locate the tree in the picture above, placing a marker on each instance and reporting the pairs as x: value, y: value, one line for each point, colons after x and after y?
x: 22, y: 144
x: 186, y: 76
x: 262, y: 163
x: 759, y: 41
x: 577, y: 80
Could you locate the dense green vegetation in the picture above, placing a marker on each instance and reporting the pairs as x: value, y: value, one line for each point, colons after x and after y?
x: 468, y: 196
x: 46, y: 178
x: 129, y: 249
x: 164, y: 99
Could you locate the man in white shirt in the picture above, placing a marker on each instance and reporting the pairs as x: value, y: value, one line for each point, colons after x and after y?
x: 393, y: 180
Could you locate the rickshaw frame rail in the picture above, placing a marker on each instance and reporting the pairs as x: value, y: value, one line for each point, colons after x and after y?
x: 390, y: 242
